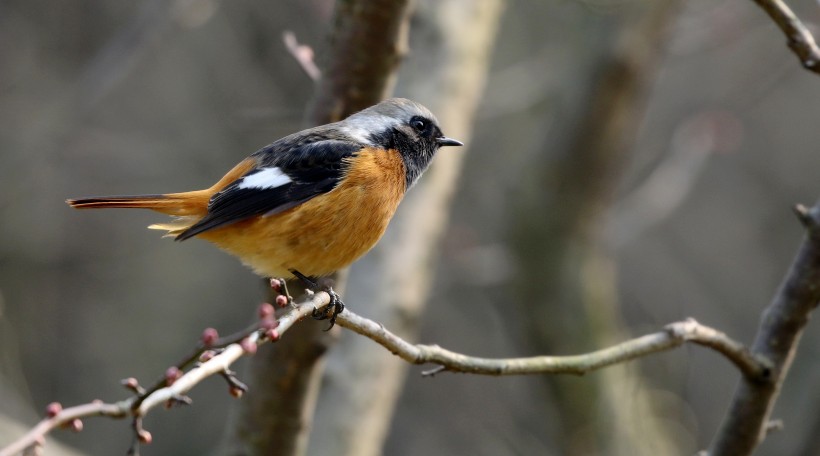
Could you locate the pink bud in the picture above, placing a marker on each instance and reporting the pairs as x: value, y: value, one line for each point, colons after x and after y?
x: 269, y: 323
x: 272, y: 334
x: 172, y: 374
x: 144, y: 437
x: 276, y: 284
x: 53, y: 409
x: 248, y: 346
x: 265, y: 310
x: 209, y: 337
x: 281, y: 300
x: 76, y: 425
x: 206, y: 355
x: 236, y: 391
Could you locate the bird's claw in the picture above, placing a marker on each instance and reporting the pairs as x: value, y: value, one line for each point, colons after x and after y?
x: 329, y: 312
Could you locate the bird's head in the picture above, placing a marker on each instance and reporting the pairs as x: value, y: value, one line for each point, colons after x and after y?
x: 402, y: 125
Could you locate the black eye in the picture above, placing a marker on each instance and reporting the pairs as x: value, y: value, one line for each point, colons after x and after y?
x: 418, y: 124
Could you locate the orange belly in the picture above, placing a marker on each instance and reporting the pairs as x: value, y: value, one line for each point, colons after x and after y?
x: 326, y: 233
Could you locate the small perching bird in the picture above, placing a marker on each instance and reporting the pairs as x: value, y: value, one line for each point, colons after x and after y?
x: 310, y: 203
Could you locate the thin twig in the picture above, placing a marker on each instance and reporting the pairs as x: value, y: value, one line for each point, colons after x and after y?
x: 223, y: 361
x: 303, y: 55
x: 800, y: 40
x: 218, y: 364
x: 192, y: 357
x: 36, y: 436
x: 672, y: 336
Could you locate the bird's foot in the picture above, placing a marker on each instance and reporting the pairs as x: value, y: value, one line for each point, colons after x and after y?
x: 332, y: 310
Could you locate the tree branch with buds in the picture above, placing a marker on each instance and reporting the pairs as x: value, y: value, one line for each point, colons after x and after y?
x: 763, y: 366
x: 213, y: 356
x: 175, y: 384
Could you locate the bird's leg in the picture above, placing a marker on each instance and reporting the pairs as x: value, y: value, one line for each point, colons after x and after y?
x: 333, y: 309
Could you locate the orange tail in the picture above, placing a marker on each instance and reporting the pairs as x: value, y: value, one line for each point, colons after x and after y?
x: 179, y: 204
x: 188, y: 207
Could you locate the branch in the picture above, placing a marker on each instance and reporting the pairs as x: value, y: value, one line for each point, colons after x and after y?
x: 800, y: 40
x: 753, y: 367
x: 764, y: 368
x: 221, y: 363
x: 36, y: 436
x: 303, y: 54
x: 672, y: 336
x: 744, y: 426
x: 139, y: 406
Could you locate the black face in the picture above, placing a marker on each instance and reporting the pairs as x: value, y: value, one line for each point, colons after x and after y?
x: 425, y: 128
x: 417, y: 142
x: 416, y: 139
x: 429, y: 132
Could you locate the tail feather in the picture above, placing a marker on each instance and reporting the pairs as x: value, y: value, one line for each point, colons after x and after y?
x: 137, y: 201
x: 187, y: 207
x: 176, y: 227
x: 180, y: 204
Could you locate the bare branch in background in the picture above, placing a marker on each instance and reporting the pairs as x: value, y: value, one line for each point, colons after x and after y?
x: 800, y: 39
x: 303, y: 54
x: 745, y: 424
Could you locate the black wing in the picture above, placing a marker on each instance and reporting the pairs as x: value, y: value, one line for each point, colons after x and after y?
x: 296, y: 172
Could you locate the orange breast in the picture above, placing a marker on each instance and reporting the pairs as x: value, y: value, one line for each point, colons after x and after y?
x: 328, y: 232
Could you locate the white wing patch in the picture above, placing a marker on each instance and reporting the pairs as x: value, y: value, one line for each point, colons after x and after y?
x: 266, y: 178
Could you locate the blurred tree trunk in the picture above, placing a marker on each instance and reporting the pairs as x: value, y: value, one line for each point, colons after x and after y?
x: 451, y: 42
x: 366, y: 46
x: 568, y: 284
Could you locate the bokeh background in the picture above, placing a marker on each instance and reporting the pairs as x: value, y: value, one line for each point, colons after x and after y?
x: 102, y: 97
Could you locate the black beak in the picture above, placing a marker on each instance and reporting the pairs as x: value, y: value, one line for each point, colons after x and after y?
x: 445, y: 141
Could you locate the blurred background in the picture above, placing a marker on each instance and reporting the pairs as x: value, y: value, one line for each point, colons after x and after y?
x: 630, y: 166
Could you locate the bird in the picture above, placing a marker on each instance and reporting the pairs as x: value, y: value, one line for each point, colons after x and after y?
x: 310, y: 203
